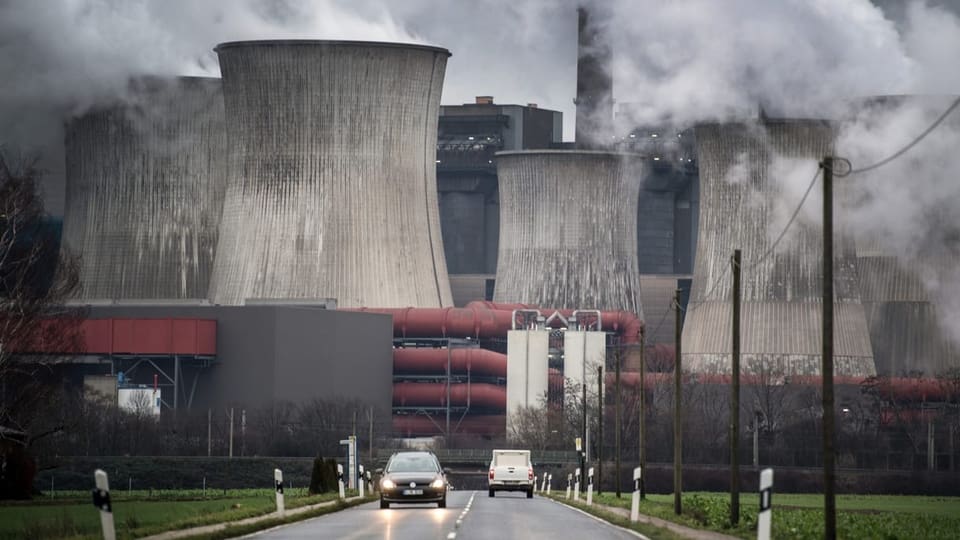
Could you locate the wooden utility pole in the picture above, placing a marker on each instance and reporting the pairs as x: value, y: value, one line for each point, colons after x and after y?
x: 616, y: 421
x: 829, y: 501
x: 599, y: 428
x: 677, y: 398
x: 643, y: 412
x: 735, y: 398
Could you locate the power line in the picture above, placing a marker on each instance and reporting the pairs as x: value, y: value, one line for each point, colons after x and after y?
x: 793, y: 218
x: 906, y: 148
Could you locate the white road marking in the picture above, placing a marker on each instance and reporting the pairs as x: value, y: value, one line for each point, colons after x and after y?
x: 601, y: 520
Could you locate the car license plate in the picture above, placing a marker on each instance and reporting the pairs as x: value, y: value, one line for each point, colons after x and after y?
x: 413, y: 492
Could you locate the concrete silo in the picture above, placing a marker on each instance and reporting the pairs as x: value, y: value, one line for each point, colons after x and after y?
x: 741, y: 183
x: 332, y: 187
x: 145, y: 182
x: 568, y: 229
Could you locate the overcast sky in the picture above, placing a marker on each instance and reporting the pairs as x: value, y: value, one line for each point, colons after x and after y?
x: 684, y: 60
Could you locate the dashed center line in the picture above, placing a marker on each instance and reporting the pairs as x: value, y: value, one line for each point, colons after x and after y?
x: 453, y: 534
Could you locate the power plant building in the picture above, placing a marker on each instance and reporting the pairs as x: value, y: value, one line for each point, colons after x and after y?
x: 781, y: 310
x: 332, y: 188
x: 145, y: 184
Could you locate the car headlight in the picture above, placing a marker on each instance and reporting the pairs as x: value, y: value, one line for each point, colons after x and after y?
x: 438, y: 483
x: 386, y: 483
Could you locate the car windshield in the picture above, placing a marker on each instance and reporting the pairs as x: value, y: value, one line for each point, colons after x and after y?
x: 414, y: 463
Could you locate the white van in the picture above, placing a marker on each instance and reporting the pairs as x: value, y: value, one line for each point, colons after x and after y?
x: 511, y: 470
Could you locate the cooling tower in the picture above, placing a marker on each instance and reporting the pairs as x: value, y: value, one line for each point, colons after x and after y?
x: 568, y: 229
x: 901, y: 291
x: 145, y: 183
x: 332, y: 187
x: 741, y: 178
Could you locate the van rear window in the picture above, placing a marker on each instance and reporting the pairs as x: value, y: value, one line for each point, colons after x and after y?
x: 516, y: 460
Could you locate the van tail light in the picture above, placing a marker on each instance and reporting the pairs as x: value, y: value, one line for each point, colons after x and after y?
x: 491, y: 474
x: 529, y: 473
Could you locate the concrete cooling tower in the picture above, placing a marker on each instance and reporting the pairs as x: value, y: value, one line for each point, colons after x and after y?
x: 332, y: 177
x: 145, y: 183
x: 741, y: 170
x: 899, y: 290
x: 568, y: 229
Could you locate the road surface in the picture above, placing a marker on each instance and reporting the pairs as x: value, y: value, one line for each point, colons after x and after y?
x: 504, y: 517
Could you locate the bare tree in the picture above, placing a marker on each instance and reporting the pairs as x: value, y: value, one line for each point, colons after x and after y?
x: 36, y: 278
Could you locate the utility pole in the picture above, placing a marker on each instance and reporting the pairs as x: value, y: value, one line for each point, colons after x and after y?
x: 829, y: 501
x: 231, y: 432
x: 677, y: 399
x: 616, y: 422
x: 599, y: 428
x: 735, y: 398
x: 583, y: 454
x: 209, y: 431
x: 643, y: 412
x: 370, y: 419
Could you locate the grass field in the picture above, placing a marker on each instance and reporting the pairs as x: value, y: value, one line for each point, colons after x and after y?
x: 801, y: 516
x: 140, y: 514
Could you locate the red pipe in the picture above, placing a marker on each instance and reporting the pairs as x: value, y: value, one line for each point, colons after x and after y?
x: 489, y: 320
x: 480, y: 362
x: 410, y: 394
x: 486, y: 425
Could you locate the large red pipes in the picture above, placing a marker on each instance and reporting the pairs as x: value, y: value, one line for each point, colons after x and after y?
x: 476, y: 361
x: 409, y: 394
x: 488, y: 320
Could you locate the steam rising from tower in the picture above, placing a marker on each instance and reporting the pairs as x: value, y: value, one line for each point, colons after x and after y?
x: 568, y: 222
x: 781, y: 291
x: 332, y: 179
x: 145, y: 185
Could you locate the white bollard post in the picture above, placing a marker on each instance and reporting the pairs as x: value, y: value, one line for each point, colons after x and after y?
x: 369, y: 483
x: 635, y: 502
x: 569, y: 483
x: 766, y: 495
x: 590, y: 486
x: 340, y: 480
x: 534, y: 483
x: 278, y: 485
x: 360, y: 479
x: 543, y: 485
x: 576, y: 486
x: 101, y: 499
x: 549, y: 483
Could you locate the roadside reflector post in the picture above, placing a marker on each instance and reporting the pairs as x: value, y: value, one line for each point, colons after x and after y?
x: 549, y: 482
x: 543, y: 486
x: 569, y: 484
x: 590, y: 486
x: 635, y: 500
x: 101, y: 499
x: 369, y: 483
x: 340, y: 480
x: 576, y: 486
x: 534, y: 483
x: 766, y: 499
x: 360, y: 481
x: 278, y: 485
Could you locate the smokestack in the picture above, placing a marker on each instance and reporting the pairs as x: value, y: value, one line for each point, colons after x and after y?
x: 568, y: 229
x: 594, y: 129
x: 145, y: 184
x: 332, y: 178
x: 781, y: 293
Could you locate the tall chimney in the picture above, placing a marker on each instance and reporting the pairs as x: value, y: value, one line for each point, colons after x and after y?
x: 594, y: 83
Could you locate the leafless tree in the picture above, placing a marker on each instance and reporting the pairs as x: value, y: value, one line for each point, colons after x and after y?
x: 36, y: 278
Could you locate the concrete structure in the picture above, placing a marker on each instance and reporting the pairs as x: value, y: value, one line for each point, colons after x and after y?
x: 264, y: 354
x: 145, y: 183
x: 583, y: 352
x: 332, y: 189
x: 567, y: 238
x: 469, y: 136
x: 900, y: 291
x: 781, y: 331
x: 527, y: 369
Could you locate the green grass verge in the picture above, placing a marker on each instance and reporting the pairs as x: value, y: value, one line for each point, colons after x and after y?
x: 650, y: 531
x: 801, y: 516
x: 135, y: 518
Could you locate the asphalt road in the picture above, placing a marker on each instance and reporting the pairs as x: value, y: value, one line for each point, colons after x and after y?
x: 504, y: 517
